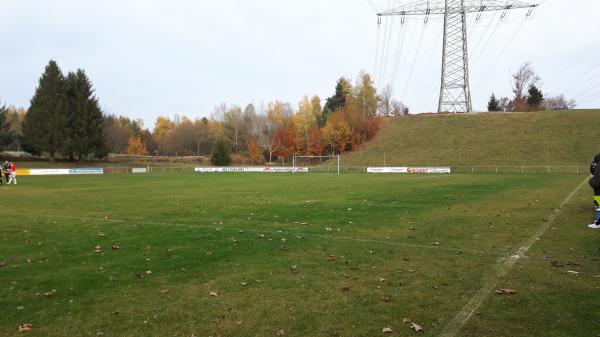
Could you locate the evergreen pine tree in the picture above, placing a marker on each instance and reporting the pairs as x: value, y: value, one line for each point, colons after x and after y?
x: 6, y: 136
x: 493, y: 104
x: 85, y: 133
x: 45, y: 123
x: 343, y: 90
x: 536, y: 98
x: 220, y: 156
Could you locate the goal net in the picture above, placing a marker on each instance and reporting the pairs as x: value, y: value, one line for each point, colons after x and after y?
x: 318, y: 163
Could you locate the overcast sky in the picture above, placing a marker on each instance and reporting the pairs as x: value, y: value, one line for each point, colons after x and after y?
x: 148, y: 57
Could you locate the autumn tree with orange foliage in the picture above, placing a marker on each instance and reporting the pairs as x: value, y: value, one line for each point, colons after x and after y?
x: 135, y: 147
x: 337, y: 133
x: 254, y: 151
x: 315, y: 142
x: 285, y: 142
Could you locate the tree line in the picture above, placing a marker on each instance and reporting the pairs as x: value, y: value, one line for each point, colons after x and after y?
x: 527, y: 95
x: 276, y: 130
x: 65, y: 121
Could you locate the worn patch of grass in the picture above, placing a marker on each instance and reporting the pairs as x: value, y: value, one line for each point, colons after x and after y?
x: 424, y: 242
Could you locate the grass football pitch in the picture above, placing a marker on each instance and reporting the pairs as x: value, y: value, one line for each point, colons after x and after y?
x: 299, y: 255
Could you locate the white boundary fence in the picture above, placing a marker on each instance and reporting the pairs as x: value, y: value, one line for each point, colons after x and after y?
x: 583, y: 169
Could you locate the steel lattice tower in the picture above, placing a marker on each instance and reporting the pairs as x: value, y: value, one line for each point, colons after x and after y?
x: 455, y: 93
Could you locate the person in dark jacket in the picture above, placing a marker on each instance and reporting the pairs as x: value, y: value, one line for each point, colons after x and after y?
x: 595, y: 184
x: 6, y: 170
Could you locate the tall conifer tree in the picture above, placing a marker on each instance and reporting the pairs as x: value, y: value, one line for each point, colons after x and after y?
x: 85, y: 130
x: 6, y: 136
x: 44, y: 124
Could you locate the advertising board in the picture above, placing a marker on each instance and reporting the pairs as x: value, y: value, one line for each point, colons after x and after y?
x: 251, y: 169
x: 422, y: 170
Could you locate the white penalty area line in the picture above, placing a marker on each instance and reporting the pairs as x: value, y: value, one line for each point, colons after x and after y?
x: 502, y: 268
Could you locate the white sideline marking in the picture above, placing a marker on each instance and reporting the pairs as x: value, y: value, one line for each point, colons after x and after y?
x: 502, y: 267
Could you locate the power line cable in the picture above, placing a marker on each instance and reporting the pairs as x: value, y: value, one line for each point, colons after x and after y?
x: 577, y: 77
x: 499, y: 56
x: 375, y: 66
x: 399, y: 51
x: 428, y: 69
x: 387, y: 47
x: 486, y: 44
x: 412, y: 68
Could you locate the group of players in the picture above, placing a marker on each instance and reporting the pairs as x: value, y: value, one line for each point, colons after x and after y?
x: 9, y: 171
x: 595, y: 184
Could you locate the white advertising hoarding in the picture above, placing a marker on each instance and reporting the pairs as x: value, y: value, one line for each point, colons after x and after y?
x: 59, y: 172
x: 425, y: 170
x: 48, y: 172
x: 251, y: 169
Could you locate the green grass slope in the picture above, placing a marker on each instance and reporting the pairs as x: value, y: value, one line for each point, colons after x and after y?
x: 535, y: 138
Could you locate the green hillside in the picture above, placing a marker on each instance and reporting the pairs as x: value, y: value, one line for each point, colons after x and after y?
x: 535, y: 138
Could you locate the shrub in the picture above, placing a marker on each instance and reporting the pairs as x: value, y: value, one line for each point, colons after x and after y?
x: 220, y: 156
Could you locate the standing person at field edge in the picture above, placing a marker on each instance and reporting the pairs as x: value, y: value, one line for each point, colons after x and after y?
x: 595, y: 184
x: 6, y: 170
x: 13, y: 174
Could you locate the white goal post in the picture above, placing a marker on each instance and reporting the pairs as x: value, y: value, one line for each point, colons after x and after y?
x: 335, y: 157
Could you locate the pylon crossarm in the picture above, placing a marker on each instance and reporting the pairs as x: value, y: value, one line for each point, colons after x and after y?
x: 438, y: 7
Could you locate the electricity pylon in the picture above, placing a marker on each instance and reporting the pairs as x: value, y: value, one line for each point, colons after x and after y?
x: 455, y: 94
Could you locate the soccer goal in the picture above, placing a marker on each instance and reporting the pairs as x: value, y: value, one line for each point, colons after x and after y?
x: 310, y: 161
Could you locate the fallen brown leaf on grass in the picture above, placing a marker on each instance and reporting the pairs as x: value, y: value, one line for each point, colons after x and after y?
x: 164, y: 291
x: 47, y: 294
x: 386, y: 298
x: 144, y: 274
x: 213, y: 294
x: 280, y: 332
x: 506, y: 291
x: 557, y: 264
x: 2, y: 263
x: 284, y: 248
x: 331, y: 258
x: 346, y: 287
x: 98, y: 249
x: 99, y: 333
x: 238, y: 322
x: 387, y: 330
x: 416, y: 327
x: 412, y: 326
x: 294, y: 269
x: 25, y: 327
